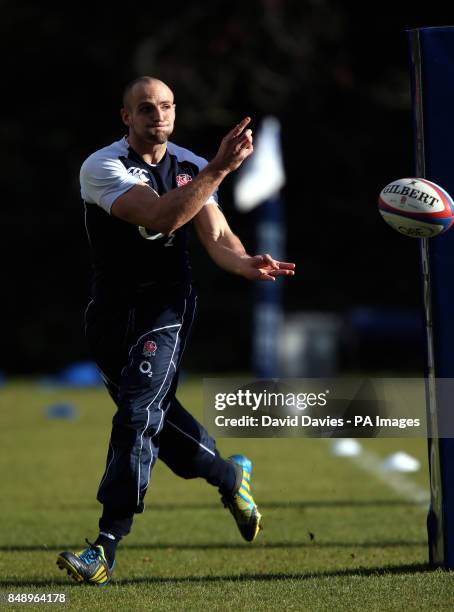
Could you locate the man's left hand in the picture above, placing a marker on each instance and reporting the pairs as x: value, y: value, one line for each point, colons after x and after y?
x: 265, y: 268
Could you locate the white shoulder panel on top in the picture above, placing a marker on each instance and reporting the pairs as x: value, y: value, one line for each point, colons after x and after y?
x: 104, y: 178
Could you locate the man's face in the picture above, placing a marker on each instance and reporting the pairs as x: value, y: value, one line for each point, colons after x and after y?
x: 150, y: 113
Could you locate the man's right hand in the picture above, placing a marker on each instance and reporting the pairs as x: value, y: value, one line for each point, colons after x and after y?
x: 234, y: 148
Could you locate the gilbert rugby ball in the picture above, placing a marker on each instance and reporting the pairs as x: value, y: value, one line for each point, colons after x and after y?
x: 416, y: 207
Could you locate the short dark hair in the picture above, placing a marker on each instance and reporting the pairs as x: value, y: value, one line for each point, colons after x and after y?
x: 129, y: 87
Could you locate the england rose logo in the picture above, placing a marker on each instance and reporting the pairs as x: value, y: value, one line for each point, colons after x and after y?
x: 149, y: 348
x: 182, y: 179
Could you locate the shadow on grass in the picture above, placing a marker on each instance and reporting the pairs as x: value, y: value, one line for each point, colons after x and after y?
x: 224, y: 546
x: 277, y: 505
x: 414, y: 568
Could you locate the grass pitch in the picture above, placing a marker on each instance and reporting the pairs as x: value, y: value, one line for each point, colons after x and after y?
x: 336, y: 537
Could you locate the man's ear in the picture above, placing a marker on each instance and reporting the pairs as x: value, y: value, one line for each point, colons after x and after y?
x: 125, y: 116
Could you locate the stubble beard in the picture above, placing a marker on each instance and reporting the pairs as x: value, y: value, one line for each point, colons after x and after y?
x: 157, y: 137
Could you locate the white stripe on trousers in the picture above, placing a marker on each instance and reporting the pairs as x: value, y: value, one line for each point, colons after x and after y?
x: 159, y: 407
x: 193, y: 439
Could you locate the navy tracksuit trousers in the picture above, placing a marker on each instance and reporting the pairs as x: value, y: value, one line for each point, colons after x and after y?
x: 138, y: 349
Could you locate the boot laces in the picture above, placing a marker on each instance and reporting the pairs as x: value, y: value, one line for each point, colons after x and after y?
x: 91, y: 554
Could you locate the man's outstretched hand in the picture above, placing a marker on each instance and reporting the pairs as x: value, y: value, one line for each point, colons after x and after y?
x: 265, y: 268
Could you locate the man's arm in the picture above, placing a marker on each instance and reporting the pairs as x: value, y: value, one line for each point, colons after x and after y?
x: 142, y: 206
x: 227, y: 251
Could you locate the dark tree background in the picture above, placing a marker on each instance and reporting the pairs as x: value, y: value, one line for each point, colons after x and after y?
x: 335, y: 75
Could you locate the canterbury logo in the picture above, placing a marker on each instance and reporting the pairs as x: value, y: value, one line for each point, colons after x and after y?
x: 140, y: 173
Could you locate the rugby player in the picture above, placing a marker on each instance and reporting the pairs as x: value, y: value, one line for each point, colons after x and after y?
x: 140, y: 195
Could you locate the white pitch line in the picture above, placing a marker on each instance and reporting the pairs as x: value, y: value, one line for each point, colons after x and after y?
x: 372, y: 463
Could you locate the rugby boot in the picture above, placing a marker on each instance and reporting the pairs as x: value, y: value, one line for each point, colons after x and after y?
x: 241, y: 504
x: 88, y: 565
